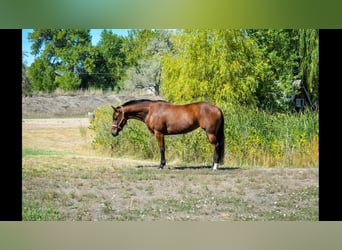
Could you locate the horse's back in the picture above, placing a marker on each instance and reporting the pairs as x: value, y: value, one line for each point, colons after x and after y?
x: 171, y: 118
x: 192, y: 109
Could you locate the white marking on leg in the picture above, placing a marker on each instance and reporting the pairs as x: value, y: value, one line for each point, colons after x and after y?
x: 215, y: 166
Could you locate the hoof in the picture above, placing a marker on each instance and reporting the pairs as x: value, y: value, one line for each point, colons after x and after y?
x: 215, y: 166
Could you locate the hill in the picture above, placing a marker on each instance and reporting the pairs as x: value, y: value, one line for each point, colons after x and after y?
x: 71, y: 104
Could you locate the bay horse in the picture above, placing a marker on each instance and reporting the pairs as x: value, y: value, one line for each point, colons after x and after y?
x: 163, y: 118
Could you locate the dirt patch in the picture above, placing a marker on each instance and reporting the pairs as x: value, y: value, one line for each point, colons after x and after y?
x: 55, y: 123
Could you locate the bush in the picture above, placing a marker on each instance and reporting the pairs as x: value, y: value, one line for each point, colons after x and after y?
x: 258, y: 138
x: 134, y: 139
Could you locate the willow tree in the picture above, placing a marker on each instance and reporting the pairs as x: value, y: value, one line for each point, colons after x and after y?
x: 221, y: 66
x: 309, y: 65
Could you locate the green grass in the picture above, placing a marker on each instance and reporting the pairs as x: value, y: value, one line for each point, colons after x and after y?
x: 33, y: 151
x: 39, y: 214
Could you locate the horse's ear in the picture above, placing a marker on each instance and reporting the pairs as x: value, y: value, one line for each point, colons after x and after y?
x: 116, y: 109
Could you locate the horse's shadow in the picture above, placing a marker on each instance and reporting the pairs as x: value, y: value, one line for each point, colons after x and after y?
x: 222, y: 168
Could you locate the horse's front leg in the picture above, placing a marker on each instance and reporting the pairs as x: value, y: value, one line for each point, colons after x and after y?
x: 161, y: 144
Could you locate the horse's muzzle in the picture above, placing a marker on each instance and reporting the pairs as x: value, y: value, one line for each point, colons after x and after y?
x: 115, y: 132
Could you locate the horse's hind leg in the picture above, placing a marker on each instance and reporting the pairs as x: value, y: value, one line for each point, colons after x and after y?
x: 215, y: 146
x: 161, y: 144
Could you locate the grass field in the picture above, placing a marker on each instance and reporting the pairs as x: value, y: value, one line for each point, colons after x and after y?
x: 64, y: 178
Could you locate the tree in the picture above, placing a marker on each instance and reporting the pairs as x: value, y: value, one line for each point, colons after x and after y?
x: 279, y: 49
x: 135, y: 43
x: 145, y: 76
x: 291, y: 54
x: 42, y: 76
x: 309, y: 62
x: 64, y: 53
x: 109, y: 61
x: 25, y: 81
x: 221, y: 66
x: 146, y: 72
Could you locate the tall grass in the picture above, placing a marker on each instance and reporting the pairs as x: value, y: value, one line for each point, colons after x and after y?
x: 258, y: 138
x: 253, y: 138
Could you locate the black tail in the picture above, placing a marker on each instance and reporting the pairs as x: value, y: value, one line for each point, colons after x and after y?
x: 220, y: 140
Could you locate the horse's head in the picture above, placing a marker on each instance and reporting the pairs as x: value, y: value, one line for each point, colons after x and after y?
x: 119, y: 120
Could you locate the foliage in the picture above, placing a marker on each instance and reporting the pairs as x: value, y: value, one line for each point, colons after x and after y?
x: 246, y: 67
x: 25, y: 81
x: 134, y: 138
x: 213, y: 65
x: 135, y: 43
x: 309, y: 67
x: 73, y: 63
x: 291, y: 54
x: 146, y: 72
x: 280, y: 51
x: 250, y: 67
x: 257, y: 137
x: 63, y: 53
x: 42, y: 82
x: 102, y: 125
x: 109, y: 61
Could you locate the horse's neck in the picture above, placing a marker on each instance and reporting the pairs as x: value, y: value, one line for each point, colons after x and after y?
x: 138, y: 111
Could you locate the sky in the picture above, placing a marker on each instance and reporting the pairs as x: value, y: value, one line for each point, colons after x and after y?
x: 95, y: 35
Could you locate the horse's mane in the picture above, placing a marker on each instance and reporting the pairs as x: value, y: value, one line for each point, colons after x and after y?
x: 140, y: 101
